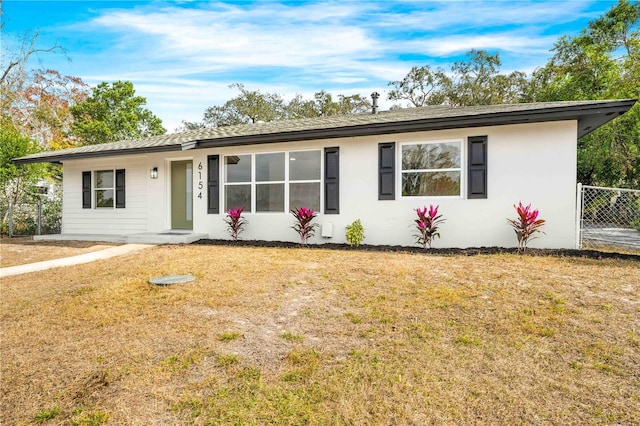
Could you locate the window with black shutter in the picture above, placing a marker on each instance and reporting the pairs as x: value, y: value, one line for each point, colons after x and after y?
x: 477, y: 167
x: 86, y: 190
x: 213, y: 184
x: 332, y: 180
x: 387, y: 171
x: 120, y: 191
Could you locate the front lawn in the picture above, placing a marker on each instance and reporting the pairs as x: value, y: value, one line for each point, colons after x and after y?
x: 315, y: 336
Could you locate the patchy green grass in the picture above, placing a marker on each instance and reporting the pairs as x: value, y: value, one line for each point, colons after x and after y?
x: 229, y: 336
x: 267, y: 336
x: 46, y: 414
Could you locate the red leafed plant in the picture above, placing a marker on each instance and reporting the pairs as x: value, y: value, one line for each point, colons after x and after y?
x: 526, y: 225
x: 235, y: 222
x: 303, y: 225
x: 427, y: 225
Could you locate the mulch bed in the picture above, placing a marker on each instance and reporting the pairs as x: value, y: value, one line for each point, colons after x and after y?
x: 473, y: 251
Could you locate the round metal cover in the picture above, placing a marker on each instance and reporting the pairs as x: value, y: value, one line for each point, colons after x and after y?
x: 172, y: 279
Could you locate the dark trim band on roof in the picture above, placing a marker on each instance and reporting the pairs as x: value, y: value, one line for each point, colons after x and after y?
x: 589, y: 114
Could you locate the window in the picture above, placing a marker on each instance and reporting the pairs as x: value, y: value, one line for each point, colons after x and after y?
x: 237, y: 178
x: 270, y: 182
x: 431, y: 169
x: 304, y: 178
x: 104, y: 188
x: 273, y: 182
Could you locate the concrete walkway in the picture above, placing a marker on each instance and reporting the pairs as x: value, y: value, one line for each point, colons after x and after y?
x: 73, y: 260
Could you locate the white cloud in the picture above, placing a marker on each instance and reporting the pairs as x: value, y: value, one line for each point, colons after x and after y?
x: 510, y: 42
x: 229, y: 38
x: 453, y: 16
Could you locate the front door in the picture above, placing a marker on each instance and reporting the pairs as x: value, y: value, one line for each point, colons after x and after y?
x: 182, y: 194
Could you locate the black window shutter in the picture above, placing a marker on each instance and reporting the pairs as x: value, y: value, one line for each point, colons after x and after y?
x: 120, y: 194
x: 477, y: 167
x: 332, y: 180
x: 387, y: 171
x: 213, y: 184
x: 86, y: 190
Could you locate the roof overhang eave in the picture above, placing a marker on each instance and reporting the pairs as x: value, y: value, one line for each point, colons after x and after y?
x: 57, y: 159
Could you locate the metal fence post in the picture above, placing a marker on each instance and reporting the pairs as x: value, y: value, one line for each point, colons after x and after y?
x: 10, y: 219
x: 39, y: 217
x: 579, y: 217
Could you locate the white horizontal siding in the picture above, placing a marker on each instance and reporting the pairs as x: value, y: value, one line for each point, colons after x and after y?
x: 131, y: 219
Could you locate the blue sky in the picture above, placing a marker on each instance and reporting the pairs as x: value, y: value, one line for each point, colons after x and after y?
x: 183, y: 55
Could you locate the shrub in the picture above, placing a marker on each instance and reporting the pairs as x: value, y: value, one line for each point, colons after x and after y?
x: 303, y: 225
x: 235, y: 222
x: 526, y: 225
x: 355, y: 233
x: 427, y: 225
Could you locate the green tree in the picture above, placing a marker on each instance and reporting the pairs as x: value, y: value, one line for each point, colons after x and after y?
x: 475, y: 81
x: 112, y: 113
x: 602, y: 62
x: 36, y: 101
x: 252, y: 106
x: 18, y: 182
x: 478, y: 81
x: 421, y: 86
x: 325, y: 106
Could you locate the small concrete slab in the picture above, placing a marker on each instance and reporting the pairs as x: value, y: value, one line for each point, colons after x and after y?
x: 171, y: 279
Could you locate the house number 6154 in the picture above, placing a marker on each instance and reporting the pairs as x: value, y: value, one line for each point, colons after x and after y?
x: 200, y: 183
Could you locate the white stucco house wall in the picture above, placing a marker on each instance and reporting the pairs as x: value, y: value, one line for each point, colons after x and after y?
x: 474, y: 162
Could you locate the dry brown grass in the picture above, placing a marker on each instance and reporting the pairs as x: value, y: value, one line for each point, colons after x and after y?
x: 298, y: 336
x: 23, y: 250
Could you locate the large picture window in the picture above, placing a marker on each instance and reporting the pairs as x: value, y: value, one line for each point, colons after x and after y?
x: 431, y: 169
x: 273, y: 182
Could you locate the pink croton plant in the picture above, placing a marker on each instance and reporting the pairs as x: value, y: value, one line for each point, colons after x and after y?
x: 526, y: 225
x: 303, y: 225
x: 235, y: 222
x: 427, y: 225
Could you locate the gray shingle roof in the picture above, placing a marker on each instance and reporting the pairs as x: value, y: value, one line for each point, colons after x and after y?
x: 590, y: 115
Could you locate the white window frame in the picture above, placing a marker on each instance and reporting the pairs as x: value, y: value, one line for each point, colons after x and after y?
x: 287, y: 181
x: 95, y: 189
x: 460, y: 169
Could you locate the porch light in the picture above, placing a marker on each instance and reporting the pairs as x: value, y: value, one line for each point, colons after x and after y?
x: 153, y: 174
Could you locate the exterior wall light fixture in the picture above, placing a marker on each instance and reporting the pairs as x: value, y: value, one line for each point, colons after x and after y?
x: 153, y: 174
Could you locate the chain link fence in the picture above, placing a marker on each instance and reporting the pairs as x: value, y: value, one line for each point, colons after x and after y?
x: 39, y: 218
x: 609, y: 217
